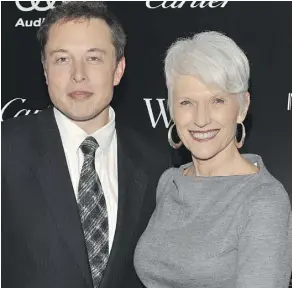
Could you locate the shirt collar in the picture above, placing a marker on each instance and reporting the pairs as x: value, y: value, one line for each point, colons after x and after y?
x: 72, y: 135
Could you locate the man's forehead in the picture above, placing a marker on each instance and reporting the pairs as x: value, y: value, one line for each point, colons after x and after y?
x: 79, y: 34
x: 87, y: 26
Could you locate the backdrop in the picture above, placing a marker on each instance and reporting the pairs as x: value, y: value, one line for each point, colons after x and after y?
x: 262, y: 29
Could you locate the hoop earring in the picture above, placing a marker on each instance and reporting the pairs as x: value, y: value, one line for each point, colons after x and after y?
x: 240, y: 143
x: 170, y: 141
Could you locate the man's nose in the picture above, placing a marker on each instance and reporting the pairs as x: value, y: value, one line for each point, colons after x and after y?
x: 79, y: 73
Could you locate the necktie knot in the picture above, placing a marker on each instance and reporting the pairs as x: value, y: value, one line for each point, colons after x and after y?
x: 89, y: 146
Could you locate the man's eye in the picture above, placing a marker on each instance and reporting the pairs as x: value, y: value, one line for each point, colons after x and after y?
x: 94, y: 59
x: 62, y: 60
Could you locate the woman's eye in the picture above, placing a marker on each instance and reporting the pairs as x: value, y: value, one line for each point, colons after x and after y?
x: 185, y: 102
x: 219, y: 101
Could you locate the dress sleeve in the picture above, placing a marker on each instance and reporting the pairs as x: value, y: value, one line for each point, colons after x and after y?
x: 264, y: 251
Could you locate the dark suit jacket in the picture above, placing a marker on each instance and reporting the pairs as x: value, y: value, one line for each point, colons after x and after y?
x: 42, y: 239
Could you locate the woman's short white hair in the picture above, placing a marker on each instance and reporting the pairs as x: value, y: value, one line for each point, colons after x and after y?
x: 212, y: 57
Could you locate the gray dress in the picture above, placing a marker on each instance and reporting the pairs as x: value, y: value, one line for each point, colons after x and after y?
x: 220, y: 232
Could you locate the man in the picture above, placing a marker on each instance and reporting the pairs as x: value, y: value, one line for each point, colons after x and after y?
x: 78, y: 189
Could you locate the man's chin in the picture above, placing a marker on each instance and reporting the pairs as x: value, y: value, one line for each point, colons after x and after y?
x: 82, y: 118
x: 85, y: 115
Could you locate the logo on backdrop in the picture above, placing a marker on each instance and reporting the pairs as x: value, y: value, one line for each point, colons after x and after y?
x: 16, y: 107
x: 162, y: 115
x: 28, y: 6
x: 35, y: 5
x: 16, y: 102
x: 13, y: 108
x: 29, y: 23
x: 289, y: 104
x: 180, y: 4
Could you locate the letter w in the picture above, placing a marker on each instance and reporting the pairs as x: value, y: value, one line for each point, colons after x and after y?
x: 162, y: 112
x: 289, y: 105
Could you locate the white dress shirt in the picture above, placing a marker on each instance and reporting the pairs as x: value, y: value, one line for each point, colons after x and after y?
x: 105, y: 160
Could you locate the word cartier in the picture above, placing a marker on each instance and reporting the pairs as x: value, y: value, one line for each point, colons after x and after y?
x: 180, y: 4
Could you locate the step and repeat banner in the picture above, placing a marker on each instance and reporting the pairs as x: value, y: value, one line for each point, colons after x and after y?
x: 262, y: 29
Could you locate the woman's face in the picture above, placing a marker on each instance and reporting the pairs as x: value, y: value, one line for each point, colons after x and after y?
x: 206, y: 119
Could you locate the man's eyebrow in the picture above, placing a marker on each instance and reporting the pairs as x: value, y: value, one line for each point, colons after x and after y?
x: 89, y: 50
x: 96, y: 50
x: 58, y: 51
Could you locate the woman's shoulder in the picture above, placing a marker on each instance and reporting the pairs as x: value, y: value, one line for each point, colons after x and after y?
x: 167, y: 174
x: 273, y: 192
x: 173, y: 171
x: 264, y: 186
x: 165, y: 178
x: 268, y: 196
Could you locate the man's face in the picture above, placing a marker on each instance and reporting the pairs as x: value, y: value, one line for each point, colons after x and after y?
x: 80, y: 68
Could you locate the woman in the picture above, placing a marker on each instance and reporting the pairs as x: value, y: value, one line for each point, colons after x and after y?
x: 222, y: 220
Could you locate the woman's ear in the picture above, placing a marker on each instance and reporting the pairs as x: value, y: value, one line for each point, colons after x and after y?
x: 244, y: 108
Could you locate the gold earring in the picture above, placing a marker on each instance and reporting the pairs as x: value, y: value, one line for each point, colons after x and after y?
x: 170, y: 141
x: 240, y: 143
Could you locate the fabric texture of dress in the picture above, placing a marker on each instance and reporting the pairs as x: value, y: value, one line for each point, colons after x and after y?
x: 220, y: 232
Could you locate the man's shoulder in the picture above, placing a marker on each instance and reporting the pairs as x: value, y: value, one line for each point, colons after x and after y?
x: 22, y: 125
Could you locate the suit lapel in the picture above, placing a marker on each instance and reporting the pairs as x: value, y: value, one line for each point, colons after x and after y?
x: 52, y: 173
x: 132, y: 182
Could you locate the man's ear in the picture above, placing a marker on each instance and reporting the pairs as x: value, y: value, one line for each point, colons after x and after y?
x: 120, y: 69
x: 44, y: 68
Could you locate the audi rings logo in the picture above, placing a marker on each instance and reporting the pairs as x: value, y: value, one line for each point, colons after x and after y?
x: 36, y: 5
x: 27, y: 6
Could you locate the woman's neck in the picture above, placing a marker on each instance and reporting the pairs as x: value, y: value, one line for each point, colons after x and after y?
x: 225, y: 163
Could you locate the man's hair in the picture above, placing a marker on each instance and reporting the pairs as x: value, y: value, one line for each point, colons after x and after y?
x: 78, y: 10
